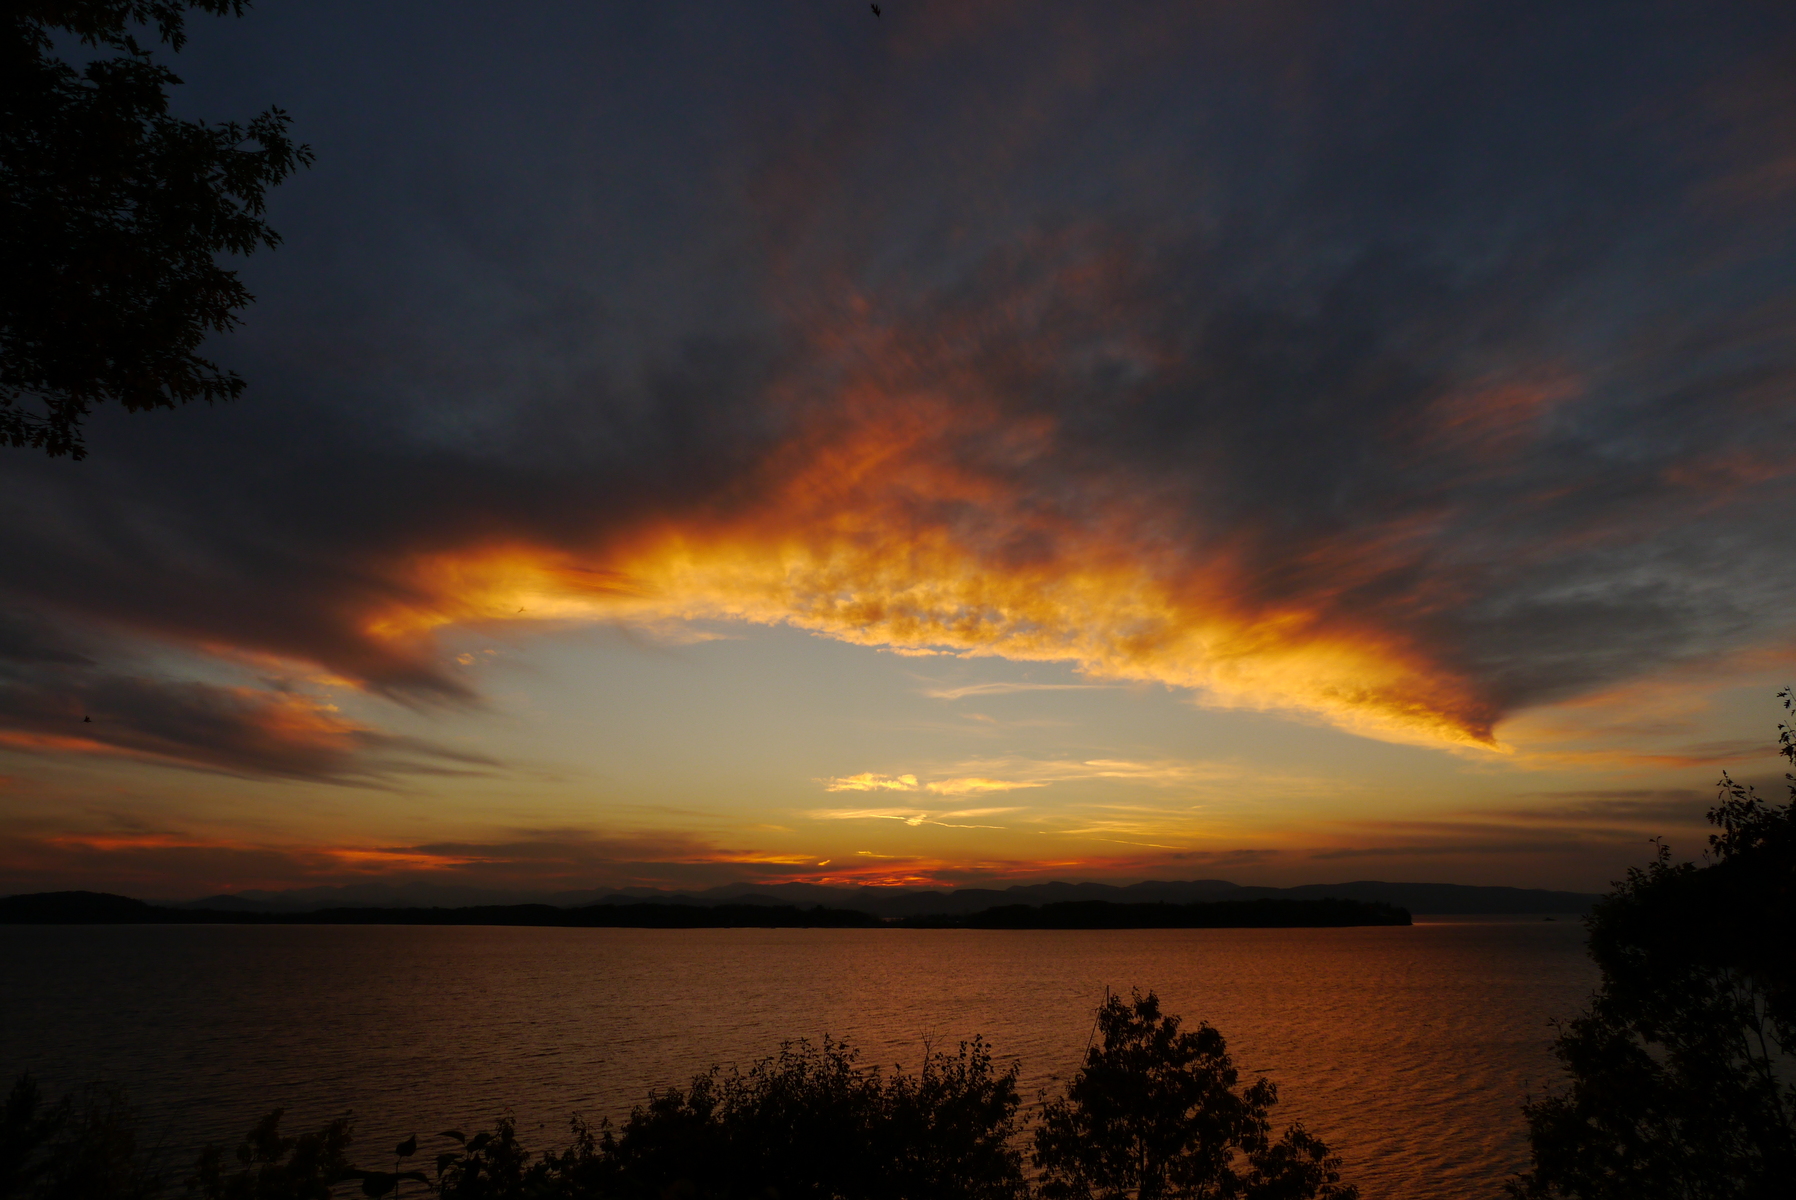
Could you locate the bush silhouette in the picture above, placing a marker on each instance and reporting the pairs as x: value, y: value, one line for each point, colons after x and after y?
x: 1158, y: 1111
x: 273, y: 1167
x: 83, y: 1147
x: 809, y: 1125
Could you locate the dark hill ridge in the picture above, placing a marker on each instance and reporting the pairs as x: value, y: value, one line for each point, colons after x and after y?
x: 75, y: 908
x: 1441, y: 898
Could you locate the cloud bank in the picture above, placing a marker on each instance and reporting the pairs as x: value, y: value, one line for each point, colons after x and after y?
x: 1409, y: 371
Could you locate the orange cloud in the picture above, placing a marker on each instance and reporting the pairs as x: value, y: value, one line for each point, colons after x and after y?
x: 973, y: 785
x: 23, y: 739
x: 910, y: 816
x: 866, y: 781
x: 981, y: 776
x: 311, y: 859
x: 911, y: 589
x: 967, y: 785
x: 899, y: 518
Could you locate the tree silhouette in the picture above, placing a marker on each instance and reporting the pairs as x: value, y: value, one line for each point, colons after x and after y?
x: 812, y: 1124
x: 1682, y: 1081
x: 1157, y: 1111
x: 82, y: 1147
x: 112, y: 213
x: 271, y: 1166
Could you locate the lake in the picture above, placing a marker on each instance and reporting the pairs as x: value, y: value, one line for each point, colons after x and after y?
x: 1407, y: 1049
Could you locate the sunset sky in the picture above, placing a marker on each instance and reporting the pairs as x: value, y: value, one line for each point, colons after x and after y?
x: 989, y: 442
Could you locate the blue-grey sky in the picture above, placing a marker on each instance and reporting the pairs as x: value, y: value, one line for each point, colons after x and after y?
x: 1283, y: 441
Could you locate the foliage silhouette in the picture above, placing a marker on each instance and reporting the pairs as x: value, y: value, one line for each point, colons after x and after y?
x: 494, y: 1165
x: 1681, y: 1078
x: 1155, y: 1112
x: 273, y: 1167
x: 808, y: 1124
x: 112, y: 213
x: 1158, y: 1111
x: 83, y: 1147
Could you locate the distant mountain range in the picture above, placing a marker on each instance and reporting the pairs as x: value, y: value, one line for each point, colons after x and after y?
x: 1424, y: 898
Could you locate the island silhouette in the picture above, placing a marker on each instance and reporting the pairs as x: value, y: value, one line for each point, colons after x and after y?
x: 101, y: 908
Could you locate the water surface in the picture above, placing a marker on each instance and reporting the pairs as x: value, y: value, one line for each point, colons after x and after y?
x: 1407, y: 1049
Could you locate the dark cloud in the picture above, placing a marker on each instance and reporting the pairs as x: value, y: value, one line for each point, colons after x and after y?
x: 1448, y: 850
x: 30, y: 643
x: 1461, y: 331
x: 54, y: 699
x: 1222, y: 858
x: 1631, y: 808
x: 178, y: 865
x: 1595, y: 828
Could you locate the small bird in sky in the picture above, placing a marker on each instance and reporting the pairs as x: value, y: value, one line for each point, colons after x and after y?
x: 87, y: 720
x: 875, y: 9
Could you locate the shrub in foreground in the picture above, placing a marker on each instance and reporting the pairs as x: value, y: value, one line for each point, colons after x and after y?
x: 809, y: 1124
x: 83, y: 1147
x: 270, y: 1166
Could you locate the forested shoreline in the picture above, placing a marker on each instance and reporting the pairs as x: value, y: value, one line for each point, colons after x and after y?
x: 1215, y: 914
x: 98, y: 908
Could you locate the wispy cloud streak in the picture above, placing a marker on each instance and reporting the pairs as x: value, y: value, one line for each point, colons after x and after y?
x: 1006, y: 688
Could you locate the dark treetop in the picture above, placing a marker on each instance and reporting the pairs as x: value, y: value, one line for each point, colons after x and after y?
x: 1681, y: 1075
x: 112, y: 215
